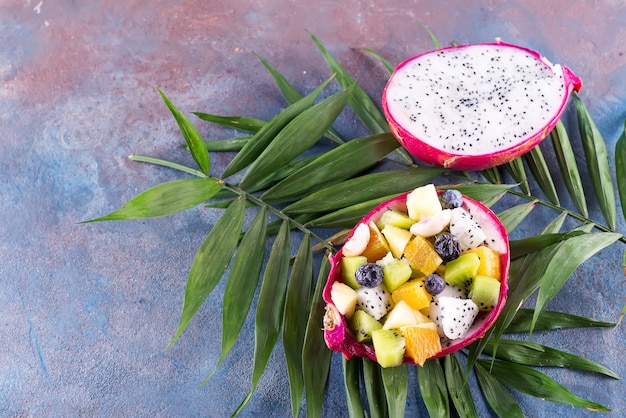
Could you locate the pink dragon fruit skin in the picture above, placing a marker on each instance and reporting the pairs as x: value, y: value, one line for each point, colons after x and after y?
x: 337, y: 333
x: 435, y: 155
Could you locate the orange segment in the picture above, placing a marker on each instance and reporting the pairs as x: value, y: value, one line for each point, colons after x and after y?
x: 377, y: 247
x: 413, y: 293
x: 422, y: 256
x: 422, y: 342
x: 489, y: 261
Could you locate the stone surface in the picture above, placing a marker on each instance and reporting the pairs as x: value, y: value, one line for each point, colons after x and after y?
x: 87, y: 310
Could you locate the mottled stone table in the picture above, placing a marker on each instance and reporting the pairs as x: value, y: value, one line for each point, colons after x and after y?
x: 86, y: 311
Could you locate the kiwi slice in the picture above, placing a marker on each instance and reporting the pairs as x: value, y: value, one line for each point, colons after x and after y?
x: 362, y: 325
x: 461, y: 271
x: 484, y: 292
x: 389, y: 347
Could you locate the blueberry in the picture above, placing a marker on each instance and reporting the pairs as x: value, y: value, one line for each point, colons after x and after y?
x: 369, y: 275
x: 448, y: 247
x: 434, y: 284
x: 451, y: 199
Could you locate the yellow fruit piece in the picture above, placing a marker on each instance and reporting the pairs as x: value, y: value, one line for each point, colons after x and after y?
x: 377, y: 247
x: 422, y: 342
x: 422, y: 256
x: 489, y: 261
x: 414, y: 293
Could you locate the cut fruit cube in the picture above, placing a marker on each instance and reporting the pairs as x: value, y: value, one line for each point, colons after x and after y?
x: 349, y: 265
x: 396, y: 218
x: 377, y: 246
x: 422, y: 342
x: 362, y: 325
x: 422, y: 256
x: 397, y: 238
x: 461, y: 271
x: 400, y: 316
x: 485, y: 292
x: 389, y: 347
x: 423, y: 202
x: 395, y: 273
x: 357, y: 242
x: 489, y: 261
x: 344, y: 297
x: 414, y: 293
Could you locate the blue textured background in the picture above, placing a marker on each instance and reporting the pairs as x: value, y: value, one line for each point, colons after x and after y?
x: 86, y: 311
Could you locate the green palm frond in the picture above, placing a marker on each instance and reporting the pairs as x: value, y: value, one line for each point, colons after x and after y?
x: 289, y: 189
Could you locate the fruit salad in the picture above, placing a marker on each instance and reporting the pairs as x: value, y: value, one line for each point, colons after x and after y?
x: 422, y: 275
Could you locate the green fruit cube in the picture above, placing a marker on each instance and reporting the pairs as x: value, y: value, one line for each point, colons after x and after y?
x: 396, y: 273
x: 484, y: 292
x: 349, y: 265
x: 389, y: 347
x: 396, y: 218
x: 461, y: 271
x: 362, y: 325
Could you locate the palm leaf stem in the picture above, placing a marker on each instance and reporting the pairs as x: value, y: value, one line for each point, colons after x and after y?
x: 251, y: 198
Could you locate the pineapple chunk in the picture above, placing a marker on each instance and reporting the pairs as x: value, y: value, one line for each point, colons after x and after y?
x: 423, y: 202
x: 397, y: 238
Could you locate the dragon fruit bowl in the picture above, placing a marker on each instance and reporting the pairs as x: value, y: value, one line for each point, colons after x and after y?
x: 409, y: 315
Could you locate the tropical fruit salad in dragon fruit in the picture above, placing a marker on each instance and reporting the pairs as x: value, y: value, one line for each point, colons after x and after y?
x: 422, y: 275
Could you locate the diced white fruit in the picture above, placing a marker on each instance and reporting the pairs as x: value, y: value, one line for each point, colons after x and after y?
x: 432, y: 225
x: 463, y: 225
x: 397, y: 238
x: 344, y: 297
x: 423, y: 202
x: 453, y: 316
x: 401, y: 315
x: 357, y: 242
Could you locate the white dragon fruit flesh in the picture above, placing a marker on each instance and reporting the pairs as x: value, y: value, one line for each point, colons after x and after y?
x: 476, y: 106
x: 453, y: 316
x: 376, y: 301
x: 469, y: 232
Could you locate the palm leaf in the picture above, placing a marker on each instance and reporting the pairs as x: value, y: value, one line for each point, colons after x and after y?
x: 433, y: 388
x: 535, y: 383
x: 568, y: 166
x: 550, y: 320
x: 351, y: 373
x: 513, y: 216
x: 496, y: 395
x: 620, y: 168
x: 516, y: 170
x: 195, y: 143
x: 533, y: 354
x: 458, y: 387
x: 292, y: 95
x: 360, y: 102
x: 242, y: 282
x: 315, y: 355
x: 597, y: 162
x: 211, y: 261
x: 570, y: 254
x: 539, y: 168
x: 241, y: 123
x: 270, y: 307
x: 396, y: 383
x: 363, y: 188
x: 166, y: 199
x: 299, y: 295
x: 333, y: 167
x: 231, y: 144
x: 259, y: 142
x: 296, y: 137
x: 374, y: 389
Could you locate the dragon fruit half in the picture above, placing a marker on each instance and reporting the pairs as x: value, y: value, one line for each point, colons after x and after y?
x: 475, y: 106
x: 337, y: 326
